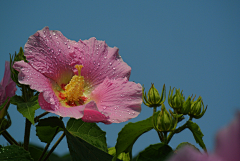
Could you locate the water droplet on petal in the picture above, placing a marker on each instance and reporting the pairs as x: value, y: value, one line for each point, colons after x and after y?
x: 110, y: 64
x: 54, y: 33
x: 68, y: 47
x: 104, y: 107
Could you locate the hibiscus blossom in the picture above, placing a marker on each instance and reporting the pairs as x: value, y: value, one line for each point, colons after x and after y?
x: 227, y: 146
x: 84, y: 79
x: 7, y: 88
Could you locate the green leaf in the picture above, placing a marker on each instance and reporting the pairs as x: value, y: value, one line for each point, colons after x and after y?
x: 89, y: 132
x: 123, y: 156
x: 185, y: 144
x: 5, y: 123
x: 27, y: 109
x: 47, y: 128
x: 130, y: 133
x: 81, y: 150
x: 197, y: 133
x: 13, y: 153
x: 156, y: 152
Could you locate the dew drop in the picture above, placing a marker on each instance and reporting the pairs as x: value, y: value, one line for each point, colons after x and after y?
x: 110, y: 64
x: 65, y: 43
x: 68, y: 47
x: 114, y: 68
x: 54, y: 33
x: 104, y: 107
x: 94, y: 62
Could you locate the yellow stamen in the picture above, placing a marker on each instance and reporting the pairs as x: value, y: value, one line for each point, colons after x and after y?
x: 74, y: 89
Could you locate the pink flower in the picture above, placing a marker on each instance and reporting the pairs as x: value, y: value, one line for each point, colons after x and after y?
x: 227, y: 146
x: 7, y: 88
x: 84, y: 79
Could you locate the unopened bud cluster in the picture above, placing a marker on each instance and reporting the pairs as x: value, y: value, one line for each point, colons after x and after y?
x: 194, y: 109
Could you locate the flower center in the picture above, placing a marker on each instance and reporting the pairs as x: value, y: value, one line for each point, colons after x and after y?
x: 74, y: 89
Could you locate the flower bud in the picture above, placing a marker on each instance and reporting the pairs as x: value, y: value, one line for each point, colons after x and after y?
x: 13, y: 58
x: 153, y: 99
x: 197, y: 109
x: 176, y: 101
x: 163, y: 121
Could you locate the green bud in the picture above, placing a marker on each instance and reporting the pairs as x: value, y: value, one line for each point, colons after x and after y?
x: 13, y: 58
x: 186, y: 106
x: 163, y: 121
x: 153, y: 99
x: 197, y: 109
x: 176, y: 101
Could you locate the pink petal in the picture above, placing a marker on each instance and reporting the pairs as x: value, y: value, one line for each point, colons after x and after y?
x: 187, y: 153
x: 99, y: 61
x: 7, y: 86
x: 91, y: 114
x: 119, y: 99
x: 29, y: 76
x: 48, y: 52
x: 228, y: 141
x: 75, y: 112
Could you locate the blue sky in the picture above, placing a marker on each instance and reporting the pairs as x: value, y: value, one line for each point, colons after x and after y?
x: 191, y: 45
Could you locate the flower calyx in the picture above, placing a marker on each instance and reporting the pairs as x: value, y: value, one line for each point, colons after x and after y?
x: 153, y: 99
x: 163, y: 121
x: 197, y: 109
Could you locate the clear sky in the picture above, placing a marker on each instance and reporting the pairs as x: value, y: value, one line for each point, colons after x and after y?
x: 191, y: 45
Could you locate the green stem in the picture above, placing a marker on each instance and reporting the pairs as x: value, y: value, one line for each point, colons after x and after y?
x: 48, y: 144
x: 36, y: 119
x: 9, y: 138
x: 165, y: 137
x: 154, y: 109
x: 27, y: 134
x: 54, y: 146
x: 27, y: 93
x: 178, y: 130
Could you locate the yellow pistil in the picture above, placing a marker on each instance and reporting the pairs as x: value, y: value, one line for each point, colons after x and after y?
x: 74, y: 89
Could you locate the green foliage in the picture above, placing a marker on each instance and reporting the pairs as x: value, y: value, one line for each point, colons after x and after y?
x: 123, y: 156
x: 47, y: 128
x: 36, y: 152
x: 80, y: 150
x: 27, y: 109
x: 156, y: 152
x: 197, y: 133
x: 13, y: 153
x: 130, y: 133
x: 88, y: 132
x: 5, y: 123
